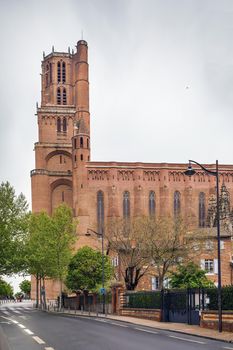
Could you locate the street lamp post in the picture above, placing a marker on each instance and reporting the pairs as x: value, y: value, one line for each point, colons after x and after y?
x: 102, y: 253
x: 189, y: 172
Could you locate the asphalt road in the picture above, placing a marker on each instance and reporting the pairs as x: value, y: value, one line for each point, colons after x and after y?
x: 28, y: 329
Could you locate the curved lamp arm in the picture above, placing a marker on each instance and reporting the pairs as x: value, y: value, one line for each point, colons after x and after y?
x: 214, y: 173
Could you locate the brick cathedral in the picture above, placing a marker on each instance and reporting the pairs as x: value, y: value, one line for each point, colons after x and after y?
x: 98, y: 190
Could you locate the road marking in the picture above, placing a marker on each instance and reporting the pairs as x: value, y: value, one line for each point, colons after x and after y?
x: 6, y: 312
x: 192, y: 341
x: 28, y: 331
x: 21, y: 325
x: 118, y: 324
x: 227, y: 347
x: 16, y: 322
x: 100, y: 320
x: 17, y: 312
x: 38, y: 340
x: 6, y: 318
x: 49, y: 348
x: 145, y: 330
x: 5, y: 322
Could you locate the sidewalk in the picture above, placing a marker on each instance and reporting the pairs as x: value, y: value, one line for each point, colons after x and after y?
x: 168, y: 326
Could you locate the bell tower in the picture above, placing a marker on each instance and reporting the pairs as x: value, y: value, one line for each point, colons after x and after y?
x: 64, y: 101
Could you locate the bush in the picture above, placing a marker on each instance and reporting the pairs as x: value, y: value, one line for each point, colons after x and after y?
x: 143, y: 300
x: 227, y: 298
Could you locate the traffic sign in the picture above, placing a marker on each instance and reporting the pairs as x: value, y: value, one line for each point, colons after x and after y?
x: 102, y: 291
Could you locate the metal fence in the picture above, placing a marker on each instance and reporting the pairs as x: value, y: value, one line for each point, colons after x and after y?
x: 90, y: 302
x: 180, y: 305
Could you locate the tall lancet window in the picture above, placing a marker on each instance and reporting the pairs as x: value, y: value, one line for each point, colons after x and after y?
x: 64, y: 124
x: 64, y: 97
x: 58, y: 72
x: 63, y: 72
x: 58, y: 96
x: 202, y: 209
x: 100, y: 212
x: 176, y: 204
x: 58, y: 124
x: 152, y: 203
x: 126, y: 205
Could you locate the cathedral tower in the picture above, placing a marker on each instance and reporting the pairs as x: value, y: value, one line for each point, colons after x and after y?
x: 63, y: 114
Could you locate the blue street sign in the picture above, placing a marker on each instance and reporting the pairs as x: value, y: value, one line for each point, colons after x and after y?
x: 102, y: 291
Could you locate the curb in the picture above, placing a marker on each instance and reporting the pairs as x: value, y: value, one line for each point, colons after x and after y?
x: 152, y: 327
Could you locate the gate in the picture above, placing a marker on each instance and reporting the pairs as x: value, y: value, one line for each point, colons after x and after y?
x: 182, y: 306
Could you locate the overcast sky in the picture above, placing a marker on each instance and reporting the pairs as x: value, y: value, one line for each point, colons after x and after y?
x: 161, y: 78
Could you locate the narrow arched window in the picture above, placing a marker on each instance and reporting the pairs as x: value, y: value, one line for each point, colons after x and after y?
x: 58, y: 72
x: 47, y: 76
x: 63, y: 72
x: 126, y: 205
x: 75, y: 144
x: 58, y: 96
x: 81, y: 156
x: 58, y: 125
x: 46, y: 80
x: 50, y: 73
x: 176, y: 203
x: 201, y: 209
x: 64, y: 97
x: 81, y: 142
x: 100, y: 212
x: 152, y: 203
x: 64, y: 124
x: 87, y: 143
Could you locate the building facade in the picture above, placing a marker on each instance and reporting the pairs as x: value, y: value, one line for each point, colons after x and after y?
x: 97, y: 191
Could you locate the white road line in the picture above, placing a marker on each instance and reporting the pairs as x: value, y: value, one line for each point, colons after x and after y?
x: 28, y: 331
x: 49, y: 348
x: 16, y: 322
x: 17, y: 312
x: 227, y: 347
x: 21, y: 325
x: 100, y: 320
x: 185, y: 339
x: 118, y: 324
x: 6, y: 318
x: 38, y: 340
x: 145, y: 330
x: 6, y: 312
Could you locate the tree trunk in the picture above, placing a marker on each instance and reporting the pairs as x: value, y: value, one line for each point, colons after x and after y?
x: 40, y: 301
x: 37, y: 291
x: 60, y: 297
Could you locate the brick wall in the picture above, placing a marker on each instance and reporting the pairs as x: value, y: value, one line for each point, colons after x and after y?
x: 209, y: 319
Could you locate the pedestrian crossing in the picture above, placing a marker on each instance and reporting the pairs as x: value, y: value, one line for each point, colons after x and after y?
x: 15, y: 311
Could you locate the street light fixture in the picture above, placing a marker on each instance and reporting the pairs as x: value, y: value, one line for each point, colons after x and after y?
x: 189, y: 172
x: 89, y: 231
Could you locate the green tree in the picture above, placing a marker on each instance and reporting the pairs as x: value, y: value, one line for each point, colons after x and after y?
x: 37, y: 254
x: 6, y: 290
x: 60, y: 243
x: 85, y: 270
x: 13, y: 228
x: 49, y: 245
x: 25, y: 287
x: 190, y: 276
